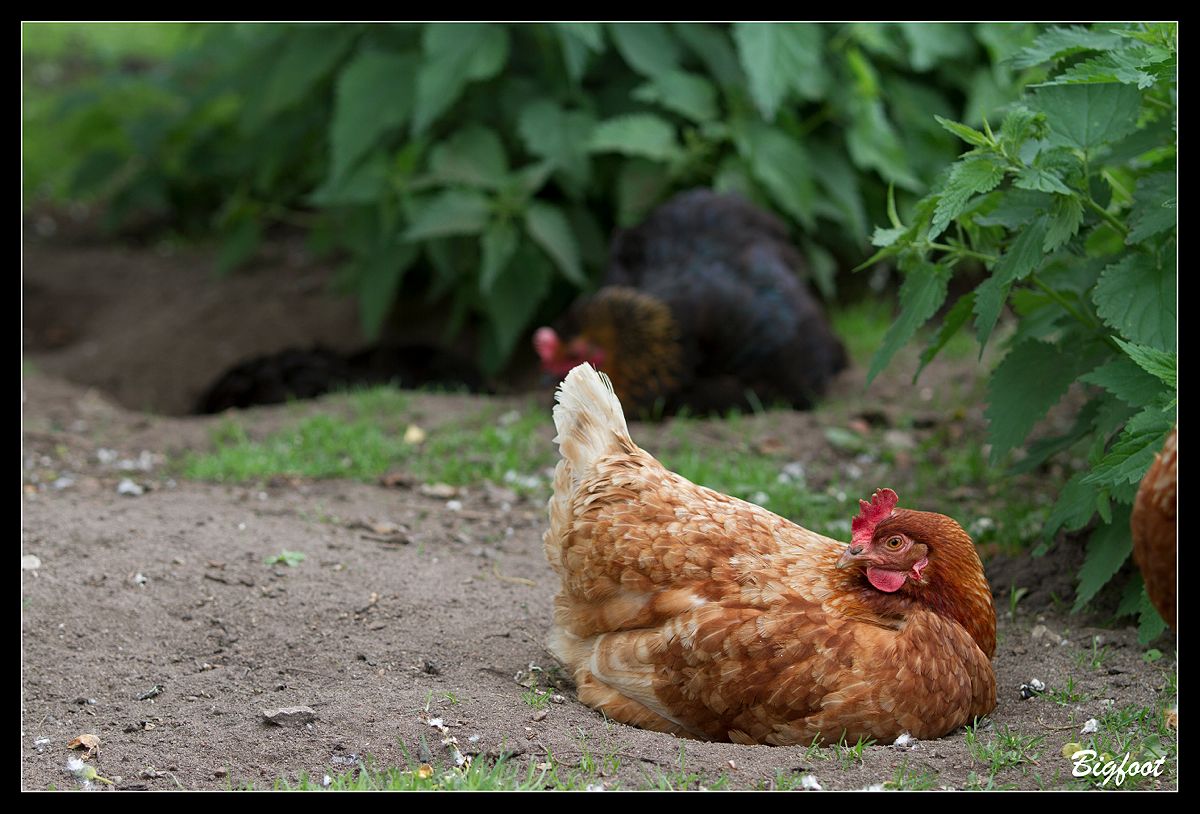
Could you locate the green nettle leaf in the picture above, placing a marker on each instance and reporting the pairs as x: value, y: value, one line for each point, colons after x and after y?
x: 1041, y: 179
x: 648, y: 48
x: 1122, y: 377
x: 840, y: 183
x: 1130, y: 456
x: 373, y: 98
x: 1107, y: 550
x: 559, y: 136
x: 1066, y: 214
x: 778, y: 57
x: 452, y: 212
x: 1074, y: 508
x: 549, y: 228
x: 472, y: 157
x: 711, y: 46
x: 641, y: 184
x: 1030, y: 380
x: 931, y: 44
x: 382, y: 273
x: 578, y: 40
x: 1016, y: 209
x: 1154, y: 206
x: 967, y: 134
x: 514, y: 300
x: 1139, y: 65
x: 310, y: 55
x: 1136, y: 296
x: 1057, y: 43
x: 688, y: 94
x: 636, y: 134
x: 1019, y: 125
x: 921, y: 294
x: 873, y: 144
x: 455, y: 54
x: 1150, y: 624
x: 497, y: 246
x: 1022, y: 257
x: 955, y: 319
x: 1157, y: 363
x: 1088, y: 116
x: 782, y: 166
x: 239, y: 245
x: 971, y: 176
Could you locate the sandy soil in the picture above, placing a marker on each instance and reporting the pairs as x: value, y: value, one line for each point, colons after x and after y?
x: 442, y: 617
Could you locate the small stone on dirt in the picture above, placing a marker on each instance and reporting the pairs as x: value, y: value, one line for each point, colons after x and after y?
x: 540, y: 715
x: 441, y: 490
x: 30, y: 563
x: 289, y: 716
x: 128, y: 487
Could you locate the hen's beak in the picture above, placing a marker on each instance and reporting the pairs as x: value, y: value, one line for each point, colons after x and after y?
x: 851, y: 554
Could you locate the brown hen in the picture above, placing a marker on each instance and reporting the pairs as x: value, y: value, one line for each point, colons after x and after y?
x: 687, y: 611
x: 1153, y: 527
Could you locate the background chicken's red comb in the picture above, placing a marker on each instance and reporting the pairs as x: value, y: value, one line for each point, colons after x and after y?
x: 883, y: 502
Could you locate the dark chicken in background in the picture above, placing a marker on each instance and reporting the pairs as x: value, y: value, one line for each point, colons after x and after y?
x: 702, y: 306
x: 296, y: 373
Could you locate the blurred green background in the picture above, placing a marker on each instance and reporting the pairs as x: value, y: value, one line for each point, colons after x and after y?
x: 482, y: 167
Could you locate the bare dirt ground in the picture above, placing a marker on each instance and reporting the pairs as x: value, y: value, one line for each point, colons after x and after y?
x: 152, y: 621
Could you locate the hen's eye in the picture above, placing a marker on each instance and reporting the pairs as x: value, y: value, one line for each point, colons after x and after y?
x: 893, y: 543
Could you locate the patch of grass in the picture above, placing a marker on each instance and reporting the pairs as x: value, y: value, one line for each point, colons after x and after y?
x: 1003, y: 749
x: 1139, y: 731
x: 1066, y: 696
x: 481, y: 775
x: 680, y: 778
x: 1015, y: 595
x: 289, y: 558
x: 912, y: 779
x: 1093, y: 659
x: 537, y: 698
x: 848, y: 755
x: 593, y: 768
x: 482, y: 447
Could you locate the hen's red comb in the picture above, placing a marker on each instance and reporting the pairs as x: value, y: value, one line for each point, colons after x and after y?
x: 883, y: 502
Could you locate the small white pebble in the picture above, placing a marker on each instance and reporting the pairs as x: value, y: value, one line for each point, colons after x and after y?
x: 241, y: 526
x: 63, y: 482
x: 1037, y: 685
x: 809, y: 782
x: 875, y: 787
x: 904, y: 740
x: 30, y: 563
x: 128, y: 487
x: 140, y: 579
x: 1092, y: 725
x: 594, y: 787
x: 326, y: 781
x: 106, y: 456
x: 454, y: 505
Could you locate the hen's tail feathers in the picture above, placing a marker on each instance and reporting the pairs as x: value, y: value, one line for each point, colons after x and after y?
x: 590, y: 424
x: 589, y: 419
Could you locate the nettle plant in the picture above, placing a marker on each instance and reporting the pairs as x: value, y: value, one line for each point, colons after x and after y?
x: 1070, y: 206
x: 483, y: 166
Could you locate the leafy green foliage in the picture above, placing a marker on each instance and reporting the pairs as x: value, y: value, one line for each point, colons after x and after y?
x: 480, y: 166
x: 1070, y: 211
